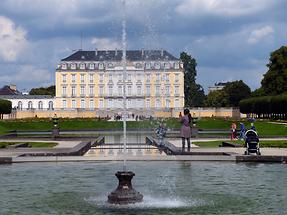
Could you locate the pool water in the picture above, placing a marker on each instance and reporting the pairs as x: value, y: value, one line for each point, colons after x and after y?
x: 168, y: 188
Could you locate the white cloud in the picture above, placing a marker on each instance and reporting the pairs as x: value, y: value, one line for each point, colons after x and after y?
x: 258, y: 34
x: 27, y: 74
x: 231, y: 8
x: 105, y: 43
x: 12, y: 39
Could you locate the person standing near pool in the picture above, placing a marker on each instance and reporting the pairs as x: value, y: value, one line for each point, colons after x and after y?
x: 185, y: 131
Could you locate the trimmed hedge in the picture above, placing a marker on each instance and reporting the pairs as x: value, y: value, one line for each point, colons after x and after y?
x: 265, y: 106
x: 5, y: 107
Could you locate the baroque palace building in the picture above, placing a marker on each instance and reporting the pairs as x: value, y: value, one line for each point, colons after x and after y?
x: 93, y: 80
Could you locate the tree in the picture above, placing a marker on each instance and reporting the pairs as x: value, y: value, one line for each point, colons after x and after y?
x: 5, y: 107
x: 216, y: 98
x: 43, y: 91
x: 193, y: 93
x: 236, y: 91
x: 275, y: 80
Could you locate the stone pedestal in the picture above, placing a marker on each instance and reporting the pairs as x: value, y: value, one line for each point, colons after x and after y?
x: 124, y: 194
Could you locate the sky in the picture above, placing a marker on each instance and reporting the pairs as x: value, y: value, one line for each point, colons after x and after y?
x: 230, y: 39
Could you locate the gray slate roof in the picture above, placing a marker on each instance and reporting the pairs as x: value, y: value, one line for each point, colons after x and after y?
x: 113, y: 55
x: 26, y: 97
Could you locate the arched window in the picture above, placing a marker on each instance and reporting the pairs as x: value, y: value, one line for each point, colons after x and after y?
x: 20, y: 105
x: 50, y: 105
x: 30, y: 105
x: 40, y: 105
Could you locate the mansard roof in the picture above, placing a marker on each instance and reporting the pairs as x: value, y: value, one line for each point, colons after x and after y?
x: 116, y: 55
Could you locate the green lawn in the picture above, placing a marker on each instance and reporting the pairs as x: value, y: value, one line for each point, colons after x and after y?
x: 264, y: 128
x: 30, y: 144
x: 267, y: 143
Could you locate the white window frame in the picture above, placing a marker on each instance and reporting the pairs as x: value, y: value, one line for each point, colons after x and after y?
x: 73, y: 90
x: 83, y: 90
x: 74, y: 104
x: 83, y: 104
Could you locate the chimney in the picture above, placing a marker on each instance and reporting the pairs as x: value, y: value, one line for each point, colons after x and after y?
x: 96, y: 52
x: 161, y: 52
x: 13, y: 87
x: 116, y: 51
x: 142, y: 52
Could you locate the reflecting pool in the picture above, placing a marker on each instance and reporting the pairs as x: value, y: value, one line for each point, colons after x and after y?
x: 168, y: 188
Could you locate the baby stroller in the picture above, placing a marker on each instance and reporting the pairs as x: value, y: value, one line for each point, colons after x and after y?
x: 252, y: 142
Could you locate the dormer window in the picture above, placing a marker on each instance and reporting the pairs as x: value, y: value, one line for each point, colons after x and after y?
x: 64, y: 66
x: 147, y: 66
x: 176, y: 65
x: 82, y: 66
x: 73, y: 66
x: 92, y: 66
x: 101, y: 66
x: 110, y: 65
x: 157, y: 65
x: 138, y: 65
x: 166, y: 65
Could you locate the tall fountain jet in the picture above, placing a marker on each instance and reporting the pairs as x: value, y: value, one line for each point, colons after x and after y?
x: 124, y: 193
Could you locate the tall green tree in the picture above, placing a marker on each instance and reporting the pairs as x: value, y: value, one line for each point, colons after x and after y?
x: 193, y: 92
x: 51, y: 90
x: 5, y: 107
x: 229, y: 96
x: 275, y: 80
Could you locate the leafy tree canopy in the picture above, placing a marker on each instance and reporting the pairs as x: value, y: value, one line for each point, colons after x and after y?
x: 193, y: 92
x: 275, y: 80
x: 43, y: 91
x: 5, y: 107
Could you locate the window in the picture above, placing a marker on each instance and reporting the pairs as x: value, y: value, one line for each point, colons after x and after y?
x: 51, y: 105
x: 176, y: 65
x: 157, y: 77
x: 64, y: 104
x: 91, y: 90
x: 176, y: 77
x: 138, y: 65
x: 73, y: 66
x: 166, y: 65
x: 157, y: 90
x: 82, y: 66
x: 129, y: 103
x: 167, y: 92
x: 109, y: 103
x: 92, y: 106
x: 73, y: 90
x: 167, y: 103
x: 167, y: 77
x: 176, y: 90
x: 101, y: 103
x: 30, y: 105
x: 64, y: 91
x: 120, y: 77
x: 138, y: 77
x: 147, y: 103
x: 129, y: 77
x: 157, y: 65
x: 92, y: 66
x: 40, y: 105
x: 82, y: 103
x: 110, y: 77
x: 64, y: 66
x: 148, y: 90
x: 101, y: 77
x: 73, y: 78
x: 83, y: 90
x: 139, y: 90
x: 74, y: 105
x: 20, y: 105
x: 147, y: 77
x: 120, y: 90
x: 91, y: 78
x: 110, y: 90
x: 101, y: 66
x: 147, y: 66
x: 129, y: 90
x: 176, y: 103
x: 82, y: 78
x: 101, y: 90
x: 64, y: 78
x: 110, y: 65
x: 157, y: 103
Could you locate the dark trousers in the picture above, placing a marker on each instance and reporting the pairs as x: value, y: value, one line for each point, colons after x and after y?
x: 183, y: 143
